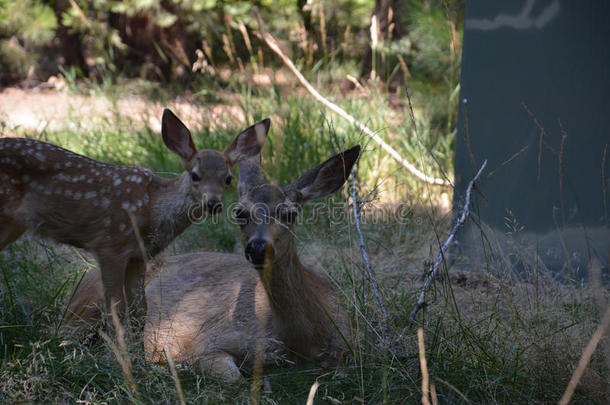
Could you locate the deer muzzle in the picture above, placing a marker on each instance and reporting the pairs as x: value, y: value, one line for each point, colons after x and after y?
x: 259, y: 251
x: 213, y: 207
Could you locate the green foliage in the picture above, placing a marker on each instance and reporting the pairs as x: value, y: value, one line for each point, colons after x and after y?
x: 26, y: 26
x: 436, y: 58
x: 32, y: 21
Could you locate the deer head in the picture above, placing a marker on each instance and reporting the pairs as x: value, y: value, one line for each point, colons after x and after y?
x: 267, y: 213
x: 211, y: 165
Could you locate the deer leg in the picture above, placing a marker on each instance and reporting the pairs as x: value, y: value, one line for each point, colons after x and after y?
x: 10, y: 231
x: 135, y: 294
x: 222, y: 365
x: 113, y: 281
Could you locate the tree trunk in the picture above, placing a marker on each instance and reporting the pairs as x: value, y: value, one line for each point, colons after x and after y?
x: 70, y: 43
x: 383, y: 27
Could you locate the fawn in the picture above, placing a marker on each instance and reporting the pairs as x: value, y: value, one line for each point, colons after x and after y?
x: 227, y: 312
x: 121, y: 214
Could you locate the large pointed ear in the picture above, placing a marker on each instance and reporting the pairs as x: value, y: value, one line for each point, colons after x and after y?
x: 177, y: 137
x: 250, y: 174
x: 325, y: 178
x: 249, y: 143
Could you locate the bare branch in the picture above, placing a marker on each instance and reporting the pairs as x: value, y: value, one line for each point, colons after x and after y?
x: 272, y: 43
x: 365, y: 258
x: 461, y: 220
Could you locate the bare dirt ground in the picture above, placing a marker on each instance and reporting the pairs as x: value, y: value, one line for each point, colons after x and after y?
x: 53, y: 109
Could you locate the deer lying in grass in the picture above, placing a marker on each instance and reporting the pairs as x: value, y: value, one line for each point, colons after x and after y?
x: 224, y: 311
x: 108, y: 209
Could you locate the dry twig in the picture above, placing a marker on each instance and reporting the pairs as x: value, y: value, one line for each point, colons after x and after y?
x: 272, y: 43
x: 122, y: 355
x: 585, y: 358
x: 365, y: 258
x: 312, y: 392
x: 461, y: 220
x: 425, y: 379
x: 172, y: 368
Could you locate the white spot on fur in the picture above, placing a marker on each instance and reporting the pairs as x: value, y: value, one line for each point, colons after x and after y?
x: 78, y: 195
x: 90, y: 194
x: 117, y: 181
x: 107, y: 221
x: 105, y: 203
x: 122, y: 227
x: 68, y: 164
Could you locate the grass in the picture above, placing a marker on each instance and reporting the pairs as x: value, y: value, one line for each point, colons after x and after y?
x: 490, y: 338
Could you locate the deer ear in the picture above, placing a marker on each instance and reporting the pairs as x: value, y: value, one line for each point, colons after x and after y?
x: 325, y: 178
x: 176, y: 136
x: 249, y: 143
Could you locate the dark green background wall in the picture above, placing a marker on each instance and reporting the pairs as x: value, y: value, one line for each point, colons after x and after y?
x: 551, y: 58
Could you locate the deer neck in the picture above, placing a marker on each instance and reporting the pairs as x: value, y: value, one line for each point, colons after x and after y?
x: 171, y: 200
x: 297, y: 297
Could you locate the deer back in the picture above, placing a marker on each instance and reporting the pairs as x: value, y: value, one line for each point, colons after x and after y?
x: 69, y: 197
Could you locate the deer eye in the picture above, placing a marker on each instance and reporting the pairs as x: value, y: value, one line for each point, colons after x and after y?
x: 288, y: 217
x: 195, y: 176
x: 241, y: 216
x: 228, y: 180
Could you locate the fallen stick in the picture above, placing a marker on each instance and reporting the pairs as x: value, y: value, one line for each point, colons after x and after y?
x: 444, y: 246
x: 272, y: 43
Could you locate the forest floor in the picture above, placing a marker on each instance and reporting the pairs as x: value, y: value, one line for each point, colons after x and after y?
x: 491, y: 337
x: 53, y: 108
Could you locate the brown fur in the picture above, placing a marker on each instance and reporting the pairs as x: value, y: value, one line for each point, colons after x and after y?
x: 89, y: 204
x: 217, y: 309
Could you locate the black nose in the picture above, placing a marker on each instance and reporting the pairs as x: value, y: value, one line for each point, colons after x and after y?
x: 213, y: 207
x: 257, y: 251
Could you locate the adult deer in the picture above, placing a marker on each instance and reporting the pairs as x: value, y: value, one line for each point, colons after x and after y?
x: 111, y: 210
x: 223, y: 310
